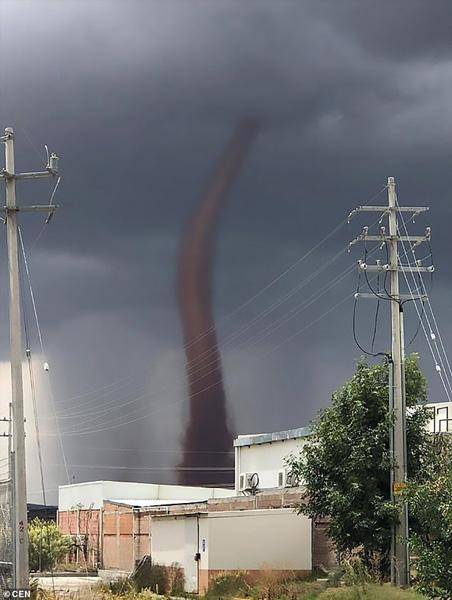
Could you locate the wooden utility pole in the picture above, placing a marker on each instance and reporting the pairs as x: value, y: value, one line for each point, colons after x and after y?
x: 11, y: 210
x: 397, y: 404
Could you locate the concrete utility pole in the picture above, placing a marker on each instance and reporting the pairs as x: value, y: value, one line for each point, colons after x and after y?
x: 11, y: 210
x: 398, y: 444
x: 401, y: 554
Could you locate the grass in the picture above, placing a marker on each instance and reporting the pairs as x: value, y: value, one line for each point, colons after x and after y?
x: 368, y: 592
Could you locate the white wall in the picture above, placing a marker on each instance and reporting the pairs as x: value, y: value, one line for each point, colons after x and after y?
x: 265, y: 459
x: 441, y: 417
x: 84, y: 494
x: 175, y: 540
x: 92, y: 494
x: 258, y: 539
x: 276, y: 539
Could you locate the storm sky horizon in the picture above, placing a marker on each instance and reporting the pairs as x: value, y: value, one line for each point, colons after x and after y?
x: 139, y: 98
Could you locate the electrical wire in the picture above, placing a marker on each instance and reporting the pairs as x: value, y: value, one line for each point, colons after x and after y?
x: 304, y: 305
x: 431, y: 309
x: 377, y: 310
x: 176, y: 402
x: 104, y: 408
x: 202, y: 365
x: 355, y: 337
x: 444, y: 378
x: 115, y: 419
x: 259, y: 293
x: 41, y: 343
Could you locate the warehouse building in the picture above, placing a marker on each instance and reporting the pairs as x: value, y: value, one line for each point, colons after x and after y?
x: 201, y: 529
x: 106, y: 521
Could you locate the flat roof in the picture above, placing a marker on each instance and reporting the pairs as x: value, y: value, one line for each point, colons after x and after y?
x: 251, y: 439
x: 150, y: 503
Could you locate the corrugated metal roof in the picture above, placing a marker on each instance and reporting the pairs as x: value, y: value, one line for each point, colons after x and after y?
x: 276, y: 436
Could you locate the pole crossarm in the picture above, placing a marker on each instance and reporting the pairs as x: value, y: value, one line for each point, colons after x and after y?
x: 388, y: 209
x: 403, y: 297
x: 33, y: 207
x: 400, y: 268
x: 383, y: 238
x: 389, y: 238
x: 37, y: 174
x: 4, y: 174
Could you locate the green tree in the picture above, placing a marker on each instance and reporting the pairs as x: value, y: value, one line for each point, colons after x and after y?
x: 47, y: 544
x: 430, y: 506
x: 345, y: 465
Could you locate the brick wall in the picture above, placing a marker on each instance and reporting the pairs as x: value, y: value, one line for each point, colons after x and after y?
x: 83, y: 526
x: 119, y: 535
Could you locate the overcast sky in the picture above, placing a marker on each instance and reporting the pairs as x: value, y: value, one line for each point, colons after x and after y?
x: 139, y: 98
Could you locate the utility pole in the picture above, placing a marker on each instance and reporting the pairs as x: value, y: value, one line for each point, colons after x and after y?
x: 11, y: 210
x: 397, y: 403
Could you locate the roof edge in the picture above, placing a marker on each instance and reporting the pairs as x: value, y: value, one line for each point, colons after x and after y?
x: 276, y: 436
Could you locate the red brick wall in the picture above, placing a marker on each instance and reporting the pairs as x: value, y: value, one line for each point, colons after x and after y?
x: 83, y: 526
x: 126, y: 531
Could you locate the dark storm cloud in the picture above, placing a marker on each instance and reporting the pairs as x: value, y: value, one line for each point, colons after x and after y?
x: 400, y: 31
x: 139, y: 98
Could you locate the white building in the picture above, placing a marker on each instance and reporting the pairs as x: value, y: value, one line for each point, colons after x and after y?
x: 260, y: 458
x: 93, y: 494
x: 210, y: 543
x: 441, y: 417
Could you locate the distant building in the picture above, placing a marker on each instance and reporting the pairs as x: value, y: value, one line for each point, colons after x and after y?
x: 441, y: 421
x: 45, y: 513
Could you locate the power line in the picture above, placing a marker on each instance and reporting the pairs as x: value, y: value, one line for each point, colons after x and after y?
x: 41, y: 344
x: 417, y: 267
x: 259, y: 292
x: 176, y: 402
x: 332, y: 284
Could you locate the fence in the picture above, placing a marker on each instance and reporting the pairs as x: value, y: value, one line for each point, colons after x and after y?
x: 6, y: 536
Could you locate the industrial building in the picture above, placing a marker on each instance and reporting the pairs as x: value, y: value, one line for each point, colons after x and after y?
x: 105, y: 520
x: 200, y: 528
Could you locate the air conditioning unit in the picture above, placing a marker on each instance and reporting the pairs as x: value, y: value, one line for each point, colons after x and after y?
x: 248, y: 481
x: 287, y: 478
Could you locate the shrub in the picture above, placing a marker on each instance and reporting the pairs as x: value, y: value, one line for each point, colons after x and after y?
x: 47, y: 545
x: 430, y: 505
x: 227, y: 585
x: 176, y: 580
x: 150, y: 576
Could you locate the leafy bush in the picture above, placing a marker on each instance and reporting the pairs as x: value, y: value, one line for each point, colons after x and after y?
x: 119, y: 586
x: 430, y: 505
x: 346, y: 463
x: 47, y: 545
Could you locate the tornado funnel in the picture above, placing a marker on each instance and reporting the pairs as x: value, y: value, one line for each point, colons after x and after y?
x: 207, y: 444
